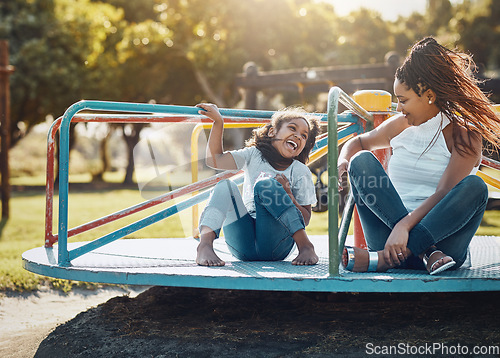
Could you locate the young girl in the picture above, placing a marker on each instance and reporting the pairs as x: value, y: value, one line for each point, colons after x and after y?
x: 278, y: 191
x: 425, y: 211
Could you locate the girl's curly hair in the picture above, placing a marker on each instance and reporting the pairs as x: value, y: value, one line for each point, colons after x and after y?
x: 449, y: 74
x: 260, y: 136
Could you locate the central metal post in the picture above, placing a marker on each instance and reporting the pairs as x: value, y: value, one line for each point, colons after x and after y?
x: 333, y: 197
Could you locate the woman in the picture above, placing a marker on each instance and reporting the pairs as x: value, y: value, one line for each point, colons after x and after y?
x: 424, y: 212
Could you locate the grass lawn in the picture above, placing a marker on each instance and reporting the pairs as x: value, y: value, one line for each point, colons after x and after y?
x: 25, y: 229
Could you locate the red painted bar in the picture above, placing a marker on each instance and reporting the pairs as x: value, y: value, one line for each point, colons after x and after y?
x: 150, y: 203
x: 49, y: 185
x: 490, y: 163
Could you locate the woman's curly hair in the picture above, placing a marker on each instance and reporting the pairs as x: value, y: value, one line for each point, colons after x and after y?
x: 261, y: 139
x: 449, y: 74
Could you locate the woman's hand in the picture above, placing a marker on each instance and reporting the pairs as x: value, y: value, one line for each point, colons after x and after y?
x: 342, y: 166
x: 211, y: 111
x: 395, y: 251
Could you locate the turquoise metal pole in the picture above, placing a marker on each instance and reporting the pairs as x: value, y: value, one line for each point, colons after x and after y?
x: 333, y: 204
x: 63, y: 254
x: 344, y: 223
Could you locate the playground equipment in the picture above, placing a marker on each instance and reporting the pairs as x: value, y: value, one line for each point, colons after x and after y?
x: 317, y: 79
x: 171, y: 262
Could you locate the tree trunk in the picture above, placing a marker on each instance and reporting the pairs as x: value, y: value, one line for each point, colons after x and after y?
x: 103, y: 151
x: 207, y: 89
x: 5, y: 71
x: 131, y: 139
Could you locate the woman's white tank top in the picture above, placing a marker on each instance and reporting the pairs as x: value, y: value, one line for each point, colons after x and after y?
x: 419, y: 159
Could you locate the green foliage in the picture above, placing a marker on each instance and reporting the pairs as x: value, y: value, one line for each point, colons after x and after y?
x: 365, y: 30
x: 54, y: 46
x: 187, y: 51
x: 477, y: 24
x: 184, y: 51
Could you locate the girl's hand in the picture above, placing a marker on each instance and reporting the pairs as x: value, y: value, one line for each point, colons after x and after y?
x: 211, y: 111
x: 304, y: 210
x: 395, y: 251
x: 284, y: 182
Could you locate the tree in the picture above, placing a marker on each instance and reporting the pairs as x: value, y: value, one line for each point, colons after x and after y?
x: 364, y: 38
x: 53, y: 44
x: 479, y: 31
x: 186, y: 51
x: 439, y: 14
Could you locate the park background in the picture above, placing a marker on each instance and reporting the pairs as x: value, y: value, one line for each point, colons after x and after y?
x: 182, y: 52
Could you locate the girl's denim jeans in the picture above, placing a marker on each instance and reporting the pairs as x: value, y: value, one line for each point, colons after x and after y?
x: 450, y: 225
x: 268, y: 237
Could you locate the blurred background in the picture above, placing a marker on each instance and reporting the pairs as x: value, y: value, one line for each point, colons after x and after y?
x: 186, y: 51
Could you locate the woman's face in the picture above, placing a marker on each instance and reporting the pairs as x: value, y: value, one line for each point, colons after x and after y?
x: 416, y: 109
x: 291, y: 138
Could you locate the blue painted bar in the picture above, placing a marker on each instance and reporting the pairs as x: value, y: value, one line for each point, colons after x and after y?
x: 353, y: 128
x: 138, y: 225
x: 347, y: 117
x: 344, y: 223
x: 64, y: 180
x: 141, y: 224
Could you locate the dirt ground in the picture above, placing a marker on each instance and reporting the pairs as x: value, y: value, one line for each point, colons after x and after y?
x: 188, y: 322
x: 26, y: 319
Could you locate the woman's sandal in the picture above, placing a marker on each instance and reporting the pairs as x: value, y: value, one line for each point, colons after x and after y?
x: 427, y: 255
x: 348, y: 258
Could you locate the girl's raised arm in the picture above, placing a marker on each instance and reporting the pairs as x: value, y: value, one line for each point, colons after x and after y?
x: 215, y: 156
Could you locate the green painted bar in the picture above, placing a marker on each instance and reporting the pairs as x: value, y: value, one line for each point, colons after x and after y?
x: 333, y: 204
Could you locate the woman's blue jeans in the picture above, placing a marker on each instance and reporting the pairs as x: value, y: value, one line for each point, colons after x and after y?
x: 268, y: 237
x: 450, y: 225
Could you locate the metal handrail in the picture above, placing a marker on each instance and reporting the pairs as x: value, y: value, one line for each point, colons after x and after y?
x: 151, y: 111
x: 353, y: 106
x: 336, y: 242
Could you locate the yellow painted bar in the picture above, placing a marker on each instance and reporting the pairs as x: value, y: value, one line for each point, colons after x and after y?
x: 323, y: 150
x: 489, y: 179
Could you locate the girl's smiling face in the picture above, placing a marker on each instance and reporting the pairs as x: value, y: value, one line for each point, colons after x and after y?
x: 416, y: 109
x: 291, y: 138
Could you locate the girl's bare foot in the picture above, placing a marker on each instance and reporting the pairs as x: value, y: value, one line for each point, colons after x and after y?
x: 206, y: 255
x: 205, y: 252
x: 306, y: 256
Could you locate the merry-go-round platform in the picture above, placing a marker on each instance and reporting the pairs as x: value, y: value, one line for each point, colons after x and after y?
x: 171, y: 262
